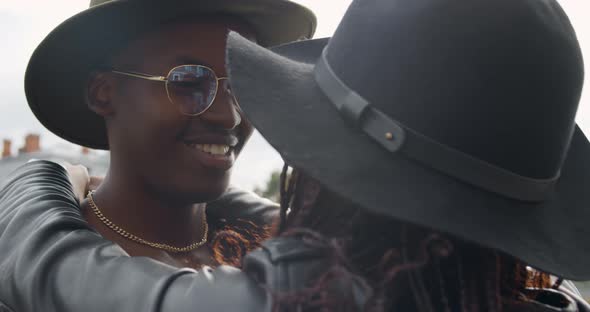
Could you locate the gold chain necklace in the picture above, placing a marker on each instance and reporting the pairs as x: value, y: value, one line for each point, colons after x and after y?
x: 117, y: 229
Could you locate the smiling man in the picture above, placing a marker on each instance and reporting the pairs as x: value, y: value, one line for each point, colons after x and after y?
x: 146, y: 80
x: 173, y: 138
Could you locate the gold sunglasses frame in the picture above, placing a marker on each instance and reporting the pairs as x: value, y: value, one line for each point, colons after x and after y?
x: 165, y: 79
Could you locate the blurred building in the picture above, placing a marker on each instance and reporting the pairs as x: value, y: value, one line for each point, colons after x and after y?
x: 96, y: 162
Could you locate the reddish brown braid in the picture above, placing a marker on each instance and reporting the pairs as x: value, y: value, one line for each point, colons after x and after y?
x: 231, y: 240
x: 440, y: 273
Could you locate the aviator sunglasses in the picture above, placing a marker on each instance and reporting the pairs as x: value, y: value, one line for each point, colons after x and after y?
x: 193, y: 88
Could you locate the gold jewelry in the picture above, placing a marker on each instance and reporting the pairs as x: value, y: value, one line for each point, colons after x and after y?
x: 117, y: 229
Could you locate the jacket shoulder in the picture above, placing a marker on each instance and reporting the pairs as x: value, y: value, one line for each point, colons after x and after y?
x: 236, y: 203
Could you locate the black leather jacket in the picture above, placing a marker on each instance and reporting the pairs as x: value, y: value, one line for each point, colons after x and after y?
x: 50, y: 260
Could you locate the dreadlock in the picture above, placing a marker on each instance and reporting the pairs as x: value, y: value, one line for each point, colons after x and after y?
x: 287, y: 190
x: 231, y: 240
x: 406, y: 266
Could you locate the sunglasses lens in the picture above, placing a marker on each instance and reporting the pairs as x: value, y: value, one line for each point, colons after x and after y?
x: 192, y: 88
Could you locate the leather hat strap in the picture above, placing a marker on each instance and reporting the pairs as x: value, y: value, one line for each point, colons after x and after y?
x: 395, y: 138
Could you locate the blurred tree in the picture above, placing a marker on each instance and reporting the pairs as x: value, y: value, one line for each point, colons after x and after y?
x: 271, y: 189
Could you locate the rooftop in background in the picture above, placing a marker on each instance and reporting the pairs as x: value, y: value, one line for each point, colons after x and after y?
x: 96, y: 162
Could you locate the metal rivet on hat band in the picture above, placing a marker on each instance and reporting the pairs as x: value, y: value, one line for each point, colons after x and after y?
x: 353, y: 108
x: 358, y: 111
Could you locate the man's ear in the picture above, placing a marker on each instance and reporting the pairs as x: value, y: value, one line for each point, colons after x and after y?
x: 100, y: 92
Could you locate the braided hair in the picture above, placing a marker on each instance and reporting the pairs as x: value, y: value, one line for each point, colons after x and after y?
x: 407, y: 267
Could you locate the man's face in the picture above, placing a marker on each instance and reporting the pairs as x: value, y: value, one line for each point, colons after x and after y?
x: 172, y: 153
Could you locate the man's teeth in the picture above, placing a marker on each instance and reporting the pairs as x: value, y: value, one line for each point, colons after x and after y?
x: 214, y: 149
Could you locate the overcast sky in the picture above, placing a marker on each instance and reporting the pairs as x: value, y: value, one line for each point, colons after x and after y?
x: 24, y: 23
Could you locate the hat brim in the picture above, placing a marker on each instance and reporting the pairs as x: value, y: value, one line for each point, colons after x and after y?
x: 283, y: 101
x: 55, y: 80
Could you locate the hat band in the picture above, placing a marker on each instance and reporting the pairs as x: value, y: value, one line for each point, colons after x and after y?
x: 395, y: 137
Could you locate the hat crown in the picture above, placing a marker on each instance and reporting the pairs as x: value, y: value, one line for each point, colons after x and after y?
x: 482, y: 76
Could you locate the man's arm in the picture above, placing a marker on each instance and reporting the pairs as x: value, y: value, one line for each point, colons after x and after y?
x: 52, y: 261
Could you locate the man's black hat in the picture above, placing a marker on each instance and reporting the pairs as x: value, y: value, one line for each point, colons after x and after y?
x: 56, y: 77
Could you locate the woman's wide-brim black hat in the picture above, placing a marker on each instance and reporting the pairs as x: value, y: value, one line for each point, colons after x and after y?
x: 55, y: 81
x: 279, y: 94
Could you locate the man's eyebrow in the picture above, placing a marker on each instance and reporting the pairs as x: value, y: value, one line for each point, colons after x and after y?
x: 189, y: 60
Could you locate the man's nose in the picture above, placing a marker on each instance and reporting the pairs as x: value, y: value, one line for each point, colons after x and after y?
x: 223, y: 112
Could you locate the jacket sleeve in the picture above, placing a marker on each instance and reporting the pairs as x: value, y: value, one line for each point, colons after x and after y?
x: 50, y: 260
x: 239, y: 204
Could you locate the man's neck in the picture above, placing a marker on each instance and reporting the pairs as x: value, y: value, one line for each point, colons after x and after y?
x: 131, y: 205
